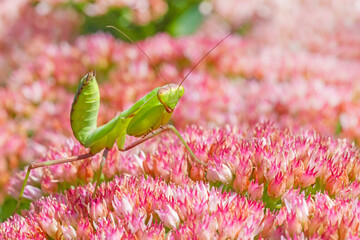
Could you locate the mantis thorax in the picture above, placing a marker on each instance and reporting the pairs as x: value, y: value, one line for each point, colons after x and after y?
x: 169, y: 95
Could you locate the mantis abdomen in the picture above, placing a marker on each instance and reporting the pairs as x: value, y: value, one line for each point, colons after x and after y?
x: 85, y: 108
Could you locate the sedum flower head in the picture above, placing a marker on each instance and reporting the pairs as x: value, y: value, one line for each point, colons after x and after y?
x: 263, y: 163
x: 283, y: 171
x: 158, y: 207
x: 147, y: 208
x: 266, y: 158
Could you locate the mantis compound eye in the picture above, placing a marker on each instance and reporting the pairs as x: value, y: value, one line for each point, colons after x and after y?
x: 167, y: 108
x: 169, y: 96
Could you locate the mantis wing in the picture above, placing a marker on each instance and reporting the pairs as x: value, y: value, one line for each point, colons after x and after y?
x: 105, y: 135
x: 141, y: 102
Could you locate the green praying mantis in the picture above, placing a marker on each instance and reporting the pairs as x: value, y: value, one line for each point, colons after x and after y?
x: 147, y: 118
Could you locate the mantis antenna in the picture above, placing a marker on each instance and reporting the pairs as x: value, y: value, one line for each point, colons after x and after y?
x: 196, y: 64
x: 133, y: 42
x: 153, y: 65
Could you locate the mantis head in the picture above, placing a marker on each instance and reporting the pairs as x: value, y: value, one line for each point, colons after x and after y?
x: 169, y: 95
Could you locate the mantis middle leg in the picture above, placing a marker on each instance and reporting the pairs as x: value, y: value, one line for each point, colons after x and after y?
x: 134, y: 144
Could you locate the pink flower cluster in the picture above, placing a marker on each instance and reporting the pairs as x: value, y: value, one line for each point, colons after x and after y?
x: 129, y: 207
x: 266, y: 157
x: 263, y: 162
x: 329, y: 27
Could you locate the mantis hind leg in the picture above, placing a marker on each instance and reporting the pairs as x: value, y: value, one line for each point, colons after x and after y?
x: 47, y: 163
x: 102, y: 164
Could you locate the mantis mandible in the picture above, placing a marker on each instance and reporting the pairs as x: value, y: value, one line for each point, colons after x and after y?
x: 147, y: 118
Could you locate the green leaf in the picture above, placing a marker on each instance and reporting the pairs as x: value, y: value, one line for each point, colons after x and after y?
x: 186, y: 23
x: 8, y: 207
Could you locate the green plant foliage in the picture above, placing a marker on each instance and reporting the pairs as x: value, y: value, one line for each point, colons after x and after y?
x: 186, y: 23
x: 182, y: 18
x: 8, y: 207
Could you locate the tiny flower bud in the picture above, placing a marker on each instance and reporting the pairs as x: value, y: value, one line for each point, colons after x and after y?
x: 68, y: 232
x: 169, y: 217
x: 197, y: 173
x: 123, y: 206
x: 255, y: 190
x: 292, y: 225
x: 220, y: 173
x: 307, y: 178
x: 276, y: 187
x: 243, y: 173
x: 333, y: 185
x: 32, y: 193
x: 240, y: 183
x: 97, y: 209
x: 48, y: 185
x: 85, y: 171
x: 84, y: 229
x: 49, y: 225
